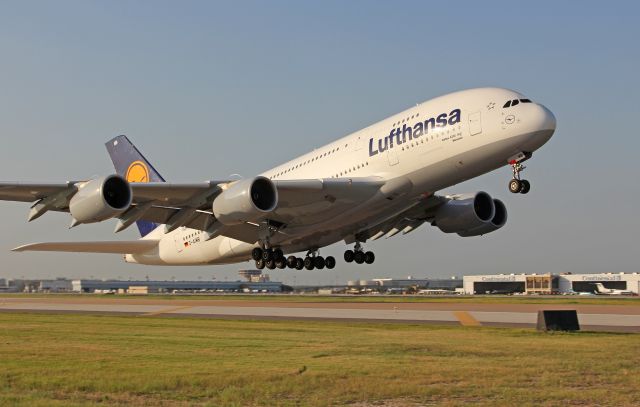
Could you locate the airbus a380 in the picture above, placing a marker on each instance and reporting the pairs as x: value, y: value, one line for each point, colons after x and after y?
x: 379, y: 181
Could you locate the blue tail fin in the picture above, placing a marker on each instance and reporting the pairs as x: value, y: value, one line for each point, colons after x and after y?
x: 131, y: 164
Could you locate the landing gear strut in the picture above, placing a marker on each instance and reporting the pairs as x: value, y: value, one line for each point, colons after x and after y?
x: 517, y: 185
x: 359, y: 255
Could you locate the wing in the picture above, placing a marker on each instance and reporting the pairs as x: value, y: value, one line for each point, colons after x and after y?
x: 406, y: 221
x: 22, y: 192
x: 117, y: 247
x: 305, y: 201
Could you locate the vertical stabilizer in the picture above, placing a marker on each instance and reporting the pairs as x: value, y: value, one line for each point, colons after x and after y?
x: 134, y: 167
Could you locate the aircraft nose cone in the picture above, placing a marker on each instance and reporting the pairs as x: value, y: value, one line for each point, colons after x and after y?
x: 547, y: 119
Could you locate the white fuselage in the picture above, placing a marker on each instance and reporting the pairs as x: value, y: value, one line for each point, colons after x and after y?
x: 436, y: 144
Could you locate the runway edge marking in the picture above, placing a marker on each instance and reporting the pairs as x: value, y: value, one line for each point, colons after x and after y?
x: 466, y: 319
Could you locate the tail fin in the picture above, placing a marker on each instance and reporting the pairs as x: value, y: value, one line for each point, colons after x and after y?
x: 601, y: 288
x: 131, y: 164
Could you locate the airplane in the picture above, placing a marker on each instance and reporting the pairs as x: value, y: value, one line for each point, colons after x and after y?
x: 379, y: 181
x: 602, y: 290
x: 435, y: 292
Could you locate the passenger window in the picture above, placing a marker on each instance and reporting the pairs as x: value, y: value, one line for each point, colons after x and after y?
x: 515, y: 102
x: 508, y: 104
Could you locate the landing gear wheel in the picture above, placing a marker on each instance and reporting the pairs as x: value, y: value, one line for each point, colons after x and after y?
x: 515, y: 185
x: 349, y: 256
x: 277, y: 254
x: 267, y: 255
x: 281, y: 263
x: 330, y: 262
x: 260, y: 264
x: 525, y: 186
x: 359, y: 257
x: 271, y: 264
x: 308, y: 263
x: 291, y: 261
x: 299, y: 263
x: 369, y: 257
x: 256, y: 254
x: 318, y: 262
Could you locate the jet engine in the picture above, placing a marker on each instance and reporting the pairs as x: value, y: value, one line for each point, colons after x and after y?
x: 100, y: 199
x: 471, y: 215
x: 247, y: 200
x: 499, y: 220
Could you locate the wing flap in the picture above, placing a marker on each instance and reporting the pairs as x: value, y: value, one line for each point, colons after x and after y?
x: 114, y: 247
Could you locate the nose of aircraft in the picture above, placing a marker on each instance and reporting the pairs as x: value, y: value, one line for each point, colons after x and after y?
x: 542, y: 125
x: 546, y: 119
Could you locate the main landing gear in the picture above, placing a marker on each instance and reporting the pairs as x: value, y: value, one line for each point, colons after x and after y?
x: 359, y: 255
x: 274, y: 258
x: 517, y: 185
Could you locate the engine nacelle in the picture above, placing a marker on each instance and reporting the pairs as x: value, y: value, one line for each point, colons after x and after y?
x: 100, y: 199
x: 465, y: 212
x: 499, y: 220
x: 247, y: 200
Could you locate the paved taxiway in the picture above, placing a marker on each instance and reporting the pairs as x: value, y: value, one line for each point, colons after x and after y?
x: 591, y: 317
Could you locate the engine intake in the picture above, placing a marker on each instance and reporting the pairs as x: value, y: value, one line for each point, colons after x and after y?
x: 247, y: 200
x: 499, y: 220
x: 100, y: 199
x: 464, y: 213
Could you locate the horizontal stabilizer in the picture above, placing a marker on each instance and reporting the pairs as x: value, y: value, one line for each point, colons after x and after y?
x: 115, y: 247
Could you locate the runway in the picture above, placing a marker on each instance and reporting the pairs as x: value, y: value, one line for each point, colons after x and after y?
x: 625, y: 318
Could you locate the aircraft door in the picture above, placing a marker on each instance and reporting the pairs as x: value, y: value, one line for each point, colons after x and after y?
x: 475, y: 123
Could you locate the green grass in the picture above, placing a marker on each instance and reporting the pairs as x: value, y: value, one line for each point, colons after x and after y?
x: 66, y: 359
x: 479, y: 299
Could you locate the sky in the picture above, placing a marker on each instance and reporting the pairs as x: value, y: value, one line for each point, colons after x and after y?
x: 209, y: 89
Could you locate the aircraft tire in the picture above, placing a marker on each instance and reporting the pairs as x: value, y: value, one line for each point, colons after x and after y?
x: 359, y: 257
x: 299, y: 263
x: 271, y: 264
x: 291, y: 261
x: 526, y: 186
x: 318, y: 262
x: 515, y: 185
x: 369, y: 257
x: 267, y: 255
x: 308, y: 263
x: 256, y: 254
x: 281, y: 263
x: 260, y: 264
x: 278, y: 254
x: 349, y: 256
x: 330, y: 262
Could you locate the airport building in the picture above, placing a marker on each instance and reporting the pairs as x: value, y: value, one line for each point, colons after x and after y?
x: 146, y: 287
x: 436, y: 284
x: 549, y: 283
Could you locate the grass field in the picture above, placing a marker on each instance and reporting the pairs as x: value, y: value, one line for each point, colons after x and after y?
x: 476, y: 299
x: 67, y: 359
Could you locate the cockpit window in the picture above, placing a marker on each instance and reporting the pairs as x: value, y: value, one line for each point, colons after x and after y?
x: 515, y: 102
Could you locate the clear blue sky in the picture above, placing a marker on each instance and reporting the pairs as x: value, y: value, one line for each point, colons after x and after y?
x: 208, y: 89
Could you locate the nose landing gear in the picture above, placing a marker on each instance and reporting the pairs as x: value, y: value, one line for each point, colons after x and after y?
x: 517, y: 185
